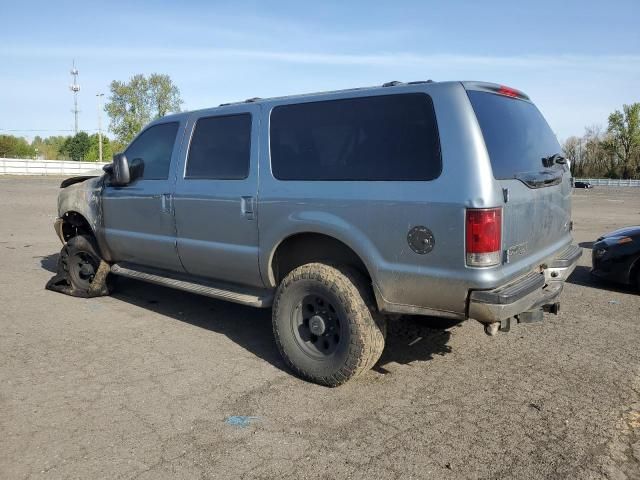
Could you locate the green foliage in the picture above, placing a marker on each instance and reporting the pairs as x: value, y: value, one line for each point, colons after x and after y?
x: 611, y: 154
x: 49, y: 148
x: 76, y: 147
x: 15, y: 147
x: 58, y: 147
x: 135, y: 103
x: 624, y: 138
x: 93, y: 153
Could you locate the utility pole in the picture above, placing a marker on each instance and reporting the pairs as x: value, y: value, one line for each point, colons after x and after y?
x: 75, y: 88
x: 100, y: 95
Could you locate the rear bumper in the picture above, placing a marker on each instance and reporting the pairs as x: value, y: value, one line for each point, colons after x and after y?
x: 531, y: 291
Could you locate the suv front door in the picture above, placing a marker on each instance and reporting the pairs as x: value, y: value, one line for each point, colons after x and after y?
x: 139, y: 224
x: 215, y: 196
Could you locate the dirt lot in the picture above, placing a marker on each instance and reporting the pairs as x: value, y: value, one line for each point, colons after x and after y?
x: 142, y: 384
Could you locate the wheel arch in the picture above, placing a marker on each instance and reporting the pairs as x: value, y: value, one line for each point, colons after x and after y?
x: 310, y: 246
x: 74, y: 224
x: 634, y: 272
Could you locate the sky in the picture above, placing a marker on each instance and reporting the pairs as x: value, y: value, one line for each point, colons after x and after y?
x: 577, y: 60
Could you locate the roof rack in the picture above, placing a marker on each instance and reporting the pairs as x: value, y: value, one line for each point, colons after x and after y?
x: 395, y: 83
x: 248, y: 100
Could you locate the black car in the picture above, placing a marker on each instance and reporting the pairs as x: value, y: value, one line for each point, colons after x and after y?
x: 616, y: 256
x: 581, y: 184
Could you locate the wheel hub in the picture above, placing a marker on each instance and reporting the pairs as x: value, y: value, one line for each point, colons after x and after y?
x: 317, y: 325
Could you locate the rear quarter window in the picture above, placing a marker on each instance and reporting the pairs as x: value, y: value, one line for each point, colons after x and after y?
x: 390, y: 137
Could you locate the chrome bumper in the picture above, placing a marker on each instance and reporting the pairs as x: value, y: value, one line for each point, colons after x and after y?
x: 529, y: 292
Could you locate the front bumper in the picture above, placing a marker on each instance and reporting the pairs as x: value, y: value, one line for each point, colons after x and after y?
x: 529, y: 292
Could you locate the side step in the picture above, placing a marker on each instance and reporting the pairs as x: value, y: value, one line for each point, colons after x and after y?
x: 251, y: 297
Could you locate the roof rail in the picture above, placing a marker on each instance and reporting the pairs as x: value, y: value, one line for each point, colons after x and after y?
x: 248, y: 100
x: 419, y: 81
x: 393, y: 83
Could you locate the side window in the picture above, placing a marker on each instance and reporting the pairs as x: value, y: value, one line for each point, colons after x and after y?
x: 388, y: 137
x: 220, y: 148
x: 154, y: 147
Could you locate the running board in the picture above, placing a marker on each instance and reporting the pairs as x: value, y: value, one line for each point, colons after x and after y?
x: 251, y: 297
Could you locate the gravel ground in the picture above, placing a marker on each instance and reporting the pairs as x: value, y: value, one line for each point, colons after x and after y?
x: 145, y: 383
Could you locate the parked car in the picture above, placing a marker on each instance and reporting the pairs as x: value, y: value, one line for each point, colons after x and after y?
x: 338, y: 209
x: 616, y: 256
x: 581, y: 184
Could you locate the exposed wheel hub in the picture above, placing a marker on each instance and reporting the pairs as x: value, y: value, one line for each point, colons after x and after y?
x: 317, y: 325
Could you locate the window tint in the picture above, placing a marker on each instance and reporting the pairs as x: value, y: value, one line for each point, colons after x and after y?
x: 154, y: 147
x: 515, y: 132
x: 391, y: 137
x: 220, y: 148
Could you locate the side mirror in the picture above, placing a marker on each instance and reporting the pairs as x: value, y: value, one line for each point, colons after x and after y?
x: 118, y: 170
x: 136, y: 169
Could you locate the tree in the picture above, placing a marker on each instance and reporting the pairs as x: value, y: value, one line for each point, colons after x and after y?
x: 50, y: 148
x: 15, y: 147
x: 135, y: 103
x: 93, y: 153
x: 624, y: 141
x: 571, y: 149
x: 77, y: 146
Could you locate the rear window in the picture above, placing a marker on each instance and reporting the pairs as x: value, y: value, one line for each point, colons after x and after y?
x: 220, y: 148
x: 515, y: 132
x: 390, y: 137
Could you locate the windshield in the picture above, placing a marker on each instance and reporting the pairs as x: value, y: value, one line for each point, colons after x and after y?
x: 515, y: 132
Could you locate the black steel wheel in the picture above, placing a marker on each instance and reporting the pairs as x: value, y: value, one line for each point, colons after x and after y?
x: 316, y: 325
x: 82, y: 268
x: 326, y: 324
x: 80, y: 262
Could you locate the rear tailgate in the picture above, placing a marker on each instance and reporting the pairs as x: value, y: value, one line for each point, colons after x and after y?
x: 525, y: 158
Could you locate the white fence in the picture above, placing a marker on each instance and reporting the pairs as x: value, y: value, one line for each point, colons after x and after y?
x: 17, y: 166
x: 610, y: 182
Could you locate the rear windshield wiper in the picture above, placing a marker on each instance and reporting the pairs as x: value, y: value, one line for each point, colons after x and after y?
x: 551, y: 159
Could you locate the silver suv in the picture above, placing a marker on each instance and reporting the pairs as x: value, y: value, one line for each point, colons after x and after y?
x: 337, y: 210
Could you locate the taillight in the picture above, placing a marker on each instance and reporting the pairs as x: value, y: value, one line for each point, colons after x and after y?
x: 484, y: 237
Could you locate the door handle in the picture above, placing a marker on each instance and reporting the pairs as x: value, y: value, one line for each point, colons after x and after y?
x: 166, y: 200
x: 247, y: 207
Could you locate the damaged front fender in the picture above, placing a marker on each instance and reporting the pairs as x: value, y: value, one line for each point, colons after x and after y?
x: 82, y: 200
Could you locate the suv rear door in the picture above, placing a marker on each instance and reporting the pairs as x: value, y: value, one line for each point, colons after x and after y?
x: 216, y: 196
x: 536, y: 185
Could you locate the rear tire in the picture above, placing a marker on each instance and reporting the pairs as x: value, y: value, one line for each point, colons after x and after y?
x: 326, y: 325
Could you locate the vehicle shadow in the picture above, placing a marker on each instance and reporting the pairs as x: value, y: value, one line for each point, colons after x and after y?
x: 409, y: 339
x: 49, y: 262
x: 582, y: 276
x: 415, y: 338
